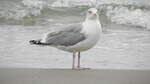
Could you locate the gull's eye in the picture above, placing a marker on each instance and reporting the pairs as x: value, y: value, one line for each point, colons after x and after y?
x: 89, y: 12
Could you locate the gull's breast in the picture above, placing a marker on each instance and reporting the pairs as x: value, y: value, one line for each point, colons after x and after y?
x: 92, y: 31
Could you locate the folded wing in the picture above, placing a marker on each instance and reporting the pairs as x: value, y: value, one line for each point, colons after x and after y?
x: 67, y: 37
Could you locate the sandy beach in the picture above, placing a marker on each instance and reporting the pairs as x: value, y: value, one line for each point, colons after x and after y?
x: 68, y: 76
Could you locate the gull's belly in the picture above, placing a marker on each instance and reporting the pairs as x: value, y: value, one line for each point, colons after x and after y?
x: 86, y: 44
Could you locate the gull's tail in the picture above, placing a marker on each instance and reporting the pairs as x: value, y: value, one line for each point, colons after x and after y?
x: 37, y: 42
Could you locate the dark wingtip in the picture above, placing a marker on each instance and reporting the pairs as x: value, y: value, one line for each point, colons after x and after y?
x: 32, y: 42
x: 37, y: 42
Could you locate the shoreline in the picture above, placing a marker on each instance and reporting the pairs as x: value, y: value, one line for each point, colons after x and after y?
x: 68, y: 76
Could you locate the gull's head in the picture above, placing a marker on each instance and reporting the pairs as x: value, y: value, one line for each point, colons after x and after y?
x: 92, y: 14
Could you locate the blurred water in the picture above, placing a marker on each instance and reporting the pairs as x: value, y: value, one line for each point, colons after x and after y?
x: 37, y: 12
x: 121, y: 46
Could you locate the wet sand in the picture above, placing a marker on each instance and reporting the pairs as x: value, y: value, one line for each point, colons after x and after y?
x: 66, y: 76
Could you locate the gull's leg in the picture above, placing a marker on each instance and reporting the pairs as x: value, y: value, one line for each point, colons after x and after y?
x: 79, y: 60
x: 73, y: 62
x: 79, y: 67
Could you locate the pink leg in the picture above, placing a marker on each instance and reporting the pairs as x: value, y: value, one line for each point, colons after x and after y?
x: 73, y: 63
x: 79, y: 67
x: 78, y: 60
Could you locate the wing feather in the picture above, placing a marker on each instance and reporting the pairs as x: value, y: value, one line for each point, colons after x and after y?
x: 67, y: 37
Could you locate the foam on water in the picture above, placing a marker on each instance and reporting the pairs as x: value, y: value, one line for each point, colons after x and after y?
x: 72, y: 3
x: 130, y: 16
x: 128, y: 12
x: 118, y: 11
x: 39, y: 4
x: 23, y: 10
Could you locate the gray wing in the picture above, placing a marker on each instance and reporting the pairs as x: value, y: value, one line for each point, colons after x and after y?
x: 67, y: 37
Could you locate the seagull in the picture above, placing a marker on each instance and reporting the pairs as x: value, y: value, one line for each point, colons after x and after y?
x: 75, y: 38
